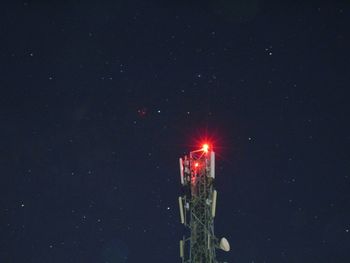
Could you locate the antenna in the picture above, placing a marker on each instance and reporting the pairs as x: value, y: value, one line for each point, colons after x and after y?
x: 198, y: 207
x: 181, y: 171
x: 181, y: 208
x: 224, y: 245
x: 213, y: 203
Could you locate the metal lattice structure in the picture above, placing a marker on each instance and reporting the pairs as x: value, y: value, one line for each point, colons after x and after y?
x: 197, y: 208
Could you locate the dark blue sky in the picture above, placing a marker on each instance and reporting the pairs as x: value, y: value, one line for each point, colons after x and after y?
x: 99, y: 99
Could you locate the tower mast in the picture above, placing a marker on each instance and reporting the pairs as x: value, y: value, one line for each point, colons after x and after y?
x: 198, y: 206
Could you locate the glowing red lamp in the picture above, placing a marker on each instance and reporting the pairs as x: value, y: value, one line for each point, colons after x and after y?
x: 205, y: 147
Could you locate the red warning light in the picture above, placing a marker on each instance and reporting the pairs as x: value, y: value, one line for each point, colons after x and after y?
x: 196, y: 165
x: 205, y: 147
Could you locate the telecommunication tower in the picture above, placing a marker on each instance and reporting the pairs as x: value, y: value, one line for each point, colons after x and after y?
x: 197, y: 207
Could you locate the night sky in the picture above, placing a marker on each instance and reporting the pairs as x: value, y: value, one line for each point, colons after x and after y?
x: 99, y: 99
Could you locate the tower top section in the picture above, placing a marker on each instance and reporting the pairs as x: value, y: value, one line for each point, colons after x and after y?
x: 199, y: 162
